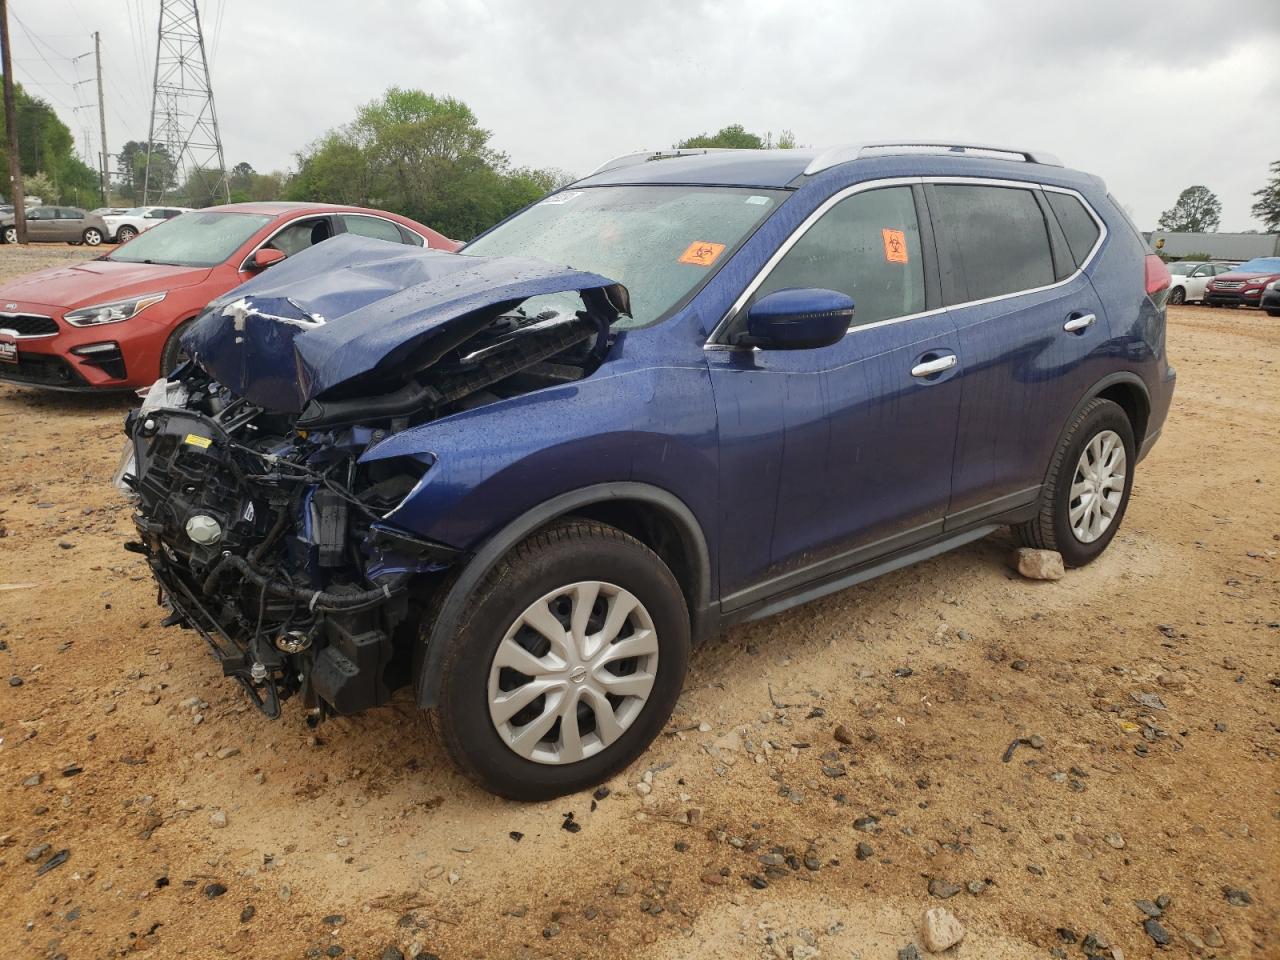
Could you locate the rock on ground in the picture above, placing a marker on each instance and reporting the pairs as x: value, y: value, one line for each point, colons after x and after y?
x: 1038, y: 564
x: 940, y: 930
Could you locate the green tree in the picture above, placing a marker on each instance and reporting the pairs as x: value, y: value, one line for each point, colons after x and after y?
x: 46, y: 145
x: 736, y: 137
x: 240, y: 180
x: 39, y: 185
x: 424, y: 156
x: 1197, y: 211
x: 1267, y: 209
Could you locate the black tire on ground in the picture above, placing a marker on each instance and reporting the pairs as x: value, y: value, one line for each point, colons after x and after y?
x: 564, y: 553
x: 125, y: 234
x: 10, y: 235
x: 1051, y: 528
x: 1273, y: 313
x: 92, y: 236
x: 172, y: 354
x: 1178, y: 296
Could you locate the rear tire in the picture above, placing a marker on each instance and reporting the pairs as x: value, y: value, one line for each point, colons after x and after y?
x: 10, y: 235
x: 1178, y: 296
x: 525, y: 755
x: 1087, y: 490
x: 1273, y: 313
x: 125, y: 234
x: 92, y: 237
x: 173, y: 355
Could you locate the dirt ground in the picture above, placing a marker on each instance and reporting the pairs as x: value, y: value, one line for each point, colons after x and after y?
x: 1145, y: 684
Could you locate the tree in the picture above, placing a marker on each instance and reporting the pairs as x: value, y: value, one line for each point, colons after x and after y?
x: 424, y: 156
x: 1197, y: 211
x: 240, y: 180
x: 1267, y: 209
x: 736, y: 137
x: 46, y: 146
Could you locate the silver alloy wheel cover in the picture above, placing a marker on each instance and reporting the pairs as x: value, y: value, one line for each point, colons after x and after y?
x: 1097, y: 489
x: 92, y: 237
x: 574, y: 669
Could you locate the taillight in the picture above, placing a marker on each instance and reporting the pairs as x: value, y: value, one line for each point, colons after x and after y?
x: 1158, y: 276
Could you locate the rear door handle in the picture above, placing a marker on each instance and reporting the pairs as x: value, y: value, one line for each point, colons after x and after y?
x: 930, y: 367
x: 1076, y: 324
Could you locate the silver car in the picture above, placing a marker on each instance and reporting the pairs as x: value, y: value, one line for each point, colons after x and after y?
x: 49, y: 224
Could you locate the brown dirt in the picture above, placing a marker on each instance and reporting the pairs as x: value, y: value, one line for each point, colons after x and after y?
x: 364, y: 819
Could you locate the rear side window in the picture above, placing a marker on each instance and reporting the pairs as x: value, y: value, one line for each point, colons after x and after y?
x: 998, y: 238
x: 1080, y: 228
x: 372, y: 227
x: 868, y: 246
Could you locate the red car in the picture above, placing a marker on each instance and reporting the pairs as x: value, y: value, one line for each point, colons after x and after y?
x: 116, y: 322
x: 1244, y: 284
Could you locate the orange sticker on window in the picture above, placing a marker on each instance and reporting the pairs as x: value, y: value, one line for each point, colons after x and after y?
x: 895, y: 245
x: 701, y: 253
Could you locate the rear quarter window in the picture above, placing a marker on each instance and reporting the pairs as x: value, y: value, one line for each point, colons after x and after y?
x: 1080, y: 228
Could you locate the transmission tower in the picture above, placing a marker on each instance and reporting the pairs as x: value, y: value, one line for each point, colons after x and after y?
x: 183, y: 121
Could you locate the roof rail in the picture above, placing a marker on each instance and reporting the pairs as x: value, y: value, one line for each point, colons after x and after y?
x: 644, y: 156
x: 856, y: 151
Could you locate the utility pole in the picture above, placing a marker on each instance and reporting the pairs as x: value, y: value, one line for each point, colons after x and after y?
x: 11, y: 128
x: 104, y: 166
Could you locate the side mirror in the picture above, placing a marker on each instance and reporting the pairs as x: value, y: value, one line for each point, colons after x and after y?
x: 264, y: 258
x: 798, y: 319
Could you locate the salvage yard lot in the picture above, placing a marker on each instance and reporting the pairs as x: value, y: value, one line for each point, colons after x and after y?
x: 1145, y: 687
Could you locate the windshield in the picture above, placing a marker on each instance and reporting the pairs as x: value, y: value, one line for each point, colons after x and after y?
x: 660, y: 242
x: 135, y: 211
x: 1182, y: 269
x: 191, y: 240
x: 1260, y: 265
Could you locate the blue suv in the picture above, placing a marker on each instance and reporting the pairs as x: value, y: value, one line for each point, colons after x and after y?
x: 692, y: 389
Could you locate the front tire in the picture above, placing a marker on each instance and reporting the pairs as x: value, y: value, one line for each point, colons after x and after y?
x: 125, y: 234
x: 568, y: 664
x: 10, y: 235
x: 92, y: 237
x: 1087, y: 490
x: 1178, y: 296
x: 173, y: 355
x: 1272, y: 313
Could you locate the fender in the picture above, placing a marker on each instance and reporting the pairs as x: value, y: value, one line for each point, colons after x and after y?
x: 1126, y: 377
x: 464, y: 585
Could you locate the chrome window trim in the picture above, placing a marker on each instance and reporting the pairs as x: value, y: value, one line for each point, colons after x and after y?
x: 284, y: 226
x: 713, y: 342
x: 26, y: 336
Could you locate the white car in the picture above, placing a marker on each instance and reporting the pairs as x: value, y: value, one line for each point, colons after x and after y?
x: 1190, y: 278
x: 135, y: 220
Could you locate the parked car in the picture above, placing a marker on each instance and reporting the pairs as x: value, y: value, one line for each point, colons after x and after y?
x: 49, y: 224
x: 1270, y: 301
x: 110, y: 211
x: 1190, y: 278
x: 527, y: 489
x: 1242, y: 286
x: 116, y: 322
x: 125, y: 226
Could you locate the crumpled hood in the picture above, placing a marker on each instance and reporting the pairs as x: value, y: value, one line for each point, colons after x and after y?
x: 99, y: 281
x: 354, y: 312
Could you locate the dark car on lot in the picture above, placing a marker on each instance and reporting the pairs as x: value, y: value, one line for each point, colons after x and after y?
x: 48, y: 224
x: 527, y: 489
x: 1243, y: 285
x: 1270, y: 301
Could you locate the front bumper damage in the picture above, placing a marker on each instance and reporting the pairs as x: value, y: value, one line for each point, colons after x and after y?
x: 268, y: 528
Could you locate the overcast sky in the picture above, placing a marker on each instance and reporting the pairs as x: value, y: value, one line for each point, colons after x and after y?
x: 1151, y: 97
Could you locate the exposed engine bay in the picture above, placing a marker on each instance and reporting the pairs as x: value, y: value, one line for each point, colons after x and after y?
x: 265, y: 531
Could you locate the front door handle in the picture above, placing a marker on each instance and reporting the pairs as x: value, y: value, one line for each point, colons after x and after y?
x: 930, y: 367
x: 1076, y: 324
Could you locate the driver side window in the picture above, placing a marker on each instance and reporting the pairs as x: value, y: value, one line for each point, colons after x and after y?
x: 299, y: 236
x: 868, y: 246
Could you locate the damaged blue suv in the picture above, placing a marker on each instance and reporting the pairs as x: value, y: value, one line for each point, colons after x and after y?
x: 686, y: 391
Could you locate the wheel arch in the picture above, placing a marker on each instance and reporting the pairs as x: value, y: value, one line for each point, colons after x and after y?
x: 1126, y: 390
x: 654, y: 516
